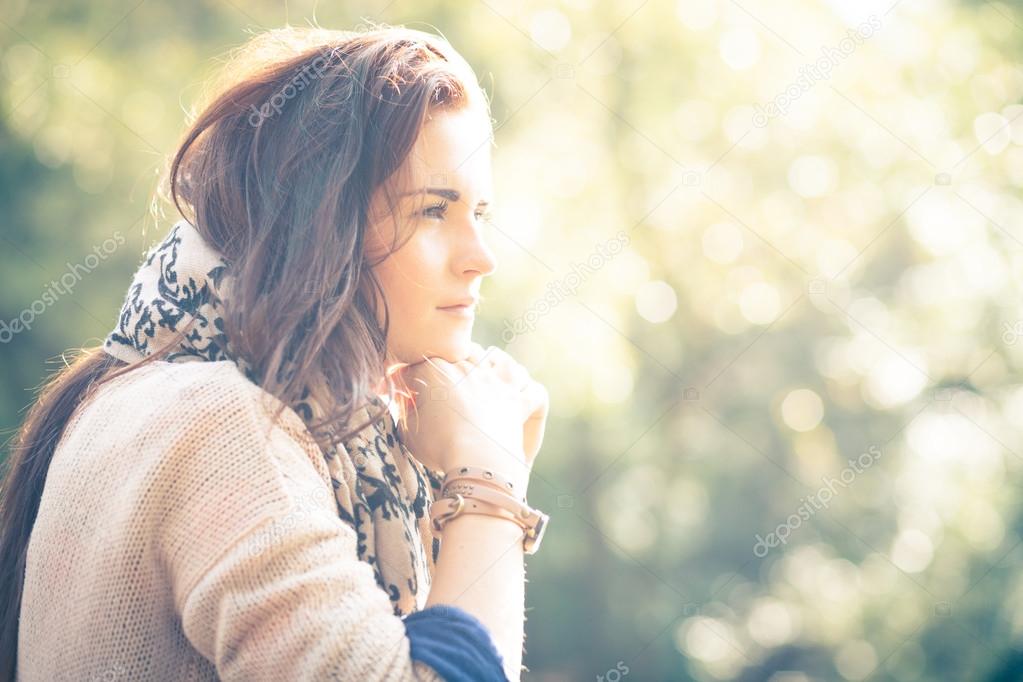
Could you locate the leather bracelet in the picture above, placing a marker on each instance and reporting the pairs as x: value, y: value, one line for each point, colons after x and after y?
x: 479, y: 473
x: 447, y: 508
x: 466, y: 492
x: 464, y: 485
x: 480, y: 489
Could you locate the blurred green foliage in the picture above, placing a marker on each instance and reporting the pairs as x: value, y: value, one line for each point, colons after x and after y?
x: 747, y: 278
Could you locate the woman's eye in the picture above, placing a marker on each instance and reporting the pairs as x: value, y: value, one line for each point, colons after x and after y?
x: 436, y: 211
x: 439, y: 210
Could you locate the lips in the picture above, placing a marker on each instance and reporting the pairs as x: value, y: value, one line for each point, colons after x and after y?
x: 465, y: 309
x: 464, y: 303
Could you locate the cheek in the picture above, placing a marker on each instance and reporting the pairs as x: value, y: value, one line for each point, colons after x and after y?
x: 409, y: 278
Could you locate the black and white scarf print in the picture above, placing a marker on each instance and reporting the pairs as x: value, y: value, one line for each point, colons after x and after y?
x: 184, y: 277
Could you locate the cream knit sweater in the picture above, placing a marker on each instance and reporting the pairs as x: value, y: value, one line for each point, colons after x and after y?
x: 183, y: 536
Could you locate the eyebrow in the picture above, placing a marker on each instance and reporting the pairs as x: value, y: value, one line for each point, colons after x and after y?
x: 449, y: 194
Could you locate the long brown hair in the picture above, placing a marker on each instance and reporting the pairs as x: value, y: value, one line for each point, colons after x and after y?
x: 277, y: 172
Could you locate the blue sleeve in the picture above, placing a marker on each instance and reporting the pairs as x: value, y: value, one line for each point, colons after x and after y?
x: 455, y: 644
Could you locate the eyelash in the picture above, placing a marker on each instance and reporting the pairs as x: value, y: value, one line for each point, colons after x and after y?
x: 442, y: 206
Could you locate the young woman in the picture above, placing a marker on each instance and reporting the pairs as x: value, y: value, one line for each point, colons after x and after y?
x: 289, y: 460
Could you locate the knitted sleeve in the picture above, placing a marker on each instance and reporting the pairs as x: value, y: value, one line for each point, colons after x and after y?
x: 265, y: 576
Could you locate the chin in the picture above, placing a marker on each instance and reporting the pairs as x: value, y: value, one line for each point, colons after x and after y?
x: 451, y: 350
x: 455, y: 350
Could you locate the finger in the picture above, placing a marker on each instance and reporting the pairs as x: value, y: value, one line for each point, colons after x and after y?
x: 476, y: 353
x: 465, y: 367
x: 535, y: 400
x: 500, y: 357
x: 448, y: 370
x: 508, y: 368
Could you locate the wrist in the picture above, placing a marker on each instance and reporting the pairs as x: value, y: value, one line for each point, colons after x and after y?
x: 474, y: 526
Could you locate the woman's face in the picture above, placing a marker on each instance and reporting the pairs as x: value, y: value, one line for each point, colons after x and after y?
x: 442, y: 200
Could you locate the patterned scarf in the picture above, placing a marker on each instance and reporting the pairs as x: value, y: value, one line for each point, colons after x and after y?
x: 382, y: 491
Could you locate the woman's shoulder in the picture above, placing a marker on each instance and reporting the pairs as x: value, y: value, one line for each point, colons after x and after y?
x: 199, y: 389
x: 156, y: 407
x: 184, y: 382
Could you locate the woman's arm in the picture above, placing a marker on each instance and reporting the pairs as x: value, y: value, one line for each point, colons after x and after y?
x: 290, y: 600
x: 481, y: 569
x: 491, y: 414
x: 264, y: 574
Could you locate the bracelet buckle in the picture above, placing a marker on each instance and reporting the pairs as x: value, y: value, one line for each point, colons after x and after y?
x: 439, y: 520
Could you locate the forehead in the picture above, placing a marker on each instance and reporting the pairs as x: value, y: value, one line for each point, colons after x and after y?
x: 453, y: 150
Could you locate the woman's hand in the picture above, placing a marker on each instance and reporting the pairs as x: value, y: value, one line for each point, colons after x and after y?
x: 506, y: 366
x: 484, y: 411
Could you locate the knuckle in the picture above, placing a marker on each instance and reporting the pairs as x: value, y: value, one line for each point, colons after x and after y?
x: 500, y: 354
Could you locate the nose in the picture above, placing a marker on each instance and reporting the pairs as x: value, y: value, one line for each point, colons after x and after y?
x: 474, y: 255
